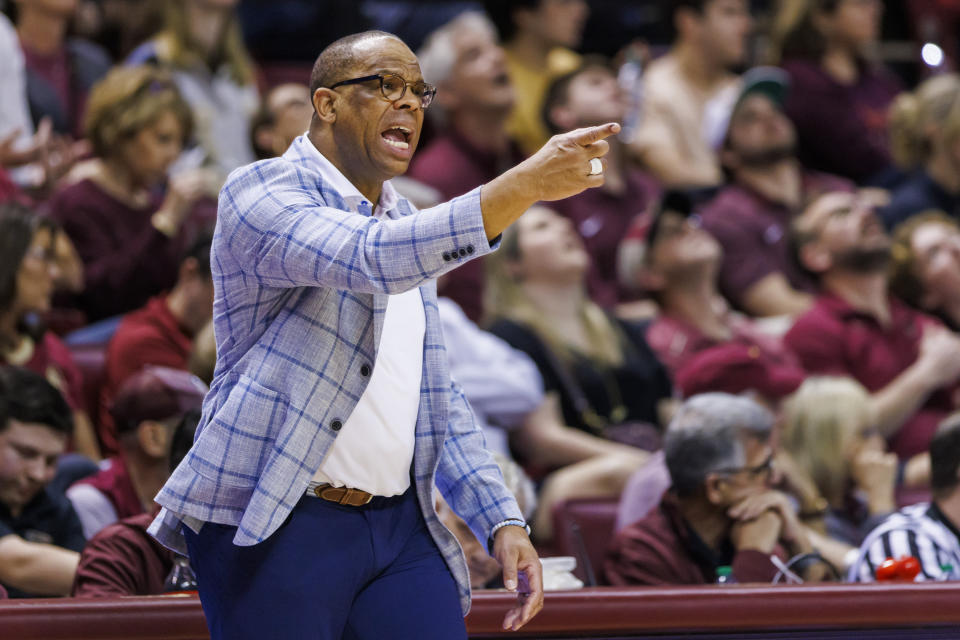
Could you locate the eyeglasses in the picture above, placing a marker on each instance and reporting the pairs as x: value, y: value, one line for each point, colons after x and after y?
x: 393, y: 87
x: 763, y: 468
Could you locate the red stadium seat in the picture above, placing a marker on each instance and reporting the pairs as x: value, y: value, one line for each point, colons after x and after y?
x: 583, y: 528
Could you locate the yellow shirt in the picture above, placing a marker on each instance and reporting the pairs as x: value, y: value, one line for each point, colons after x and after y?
x: 526, y: 124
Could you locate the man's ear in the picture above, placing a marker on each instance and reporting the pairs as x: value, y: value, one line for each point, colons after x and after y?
x: 325, y: 104
x: 728, y: 159
x: 815, y: 257
x: 447, y: 99
x: 930, y: 300
x: 713, y: 489
x: 650, y: 280
x: 154, y: 438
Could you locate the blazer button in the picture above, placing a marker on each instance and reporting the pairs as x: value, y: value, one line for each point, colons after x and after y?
x: 469, y: 248
x: 335, y: 425
x: 365, y: 370
x: 462, y: 252
x: 446, y: 256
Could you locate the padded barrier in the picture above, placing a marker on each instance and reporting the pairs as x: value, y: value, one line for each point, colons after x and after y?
x: 741, y: 611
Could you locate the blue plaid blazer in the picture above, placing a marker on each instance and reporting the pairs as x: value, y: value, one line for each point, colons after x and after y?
x: 301, y: 281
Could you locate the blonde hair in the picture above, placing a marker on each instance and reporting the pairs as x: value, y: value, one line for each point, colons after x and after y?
x: 904, y: 279
x: 932, y: 109
x: 505, y: 298
x: 820, y: 421
x: 127, y: 100
x: 179, y: 51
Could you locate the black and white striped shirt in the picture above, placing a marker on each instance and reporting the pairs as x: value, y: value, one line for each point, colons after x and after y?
x: 921, y: 531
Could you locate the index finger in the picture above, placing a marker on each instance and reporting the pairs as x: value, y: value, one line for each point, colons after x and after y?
x: 589, y: 135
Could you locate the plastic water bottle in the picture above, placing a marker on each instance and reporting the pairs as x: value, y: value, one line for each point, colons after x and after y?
x: 725, y: 575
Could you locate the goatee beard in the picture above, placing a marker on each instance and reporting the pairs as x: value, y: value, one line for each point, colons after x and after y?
x: 766, y: 157
x: 859, y: 260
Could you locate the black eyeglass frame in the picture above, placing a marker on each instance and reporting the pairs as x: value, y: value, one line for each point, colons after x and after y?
x: 765, y: 467
x: 429, y: 90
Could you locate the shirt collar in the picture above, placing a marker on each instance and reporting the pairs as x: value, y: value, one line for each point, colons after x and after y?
x: 335, y: 178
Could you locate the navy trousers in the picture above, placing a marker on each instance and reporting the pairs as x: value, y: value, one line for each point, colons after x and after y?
x: 330, y: 572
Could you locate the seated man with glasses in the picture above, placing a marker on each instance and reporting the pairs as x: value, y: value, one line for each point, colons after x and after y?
x: 720, y: 510
x: 306, y: 502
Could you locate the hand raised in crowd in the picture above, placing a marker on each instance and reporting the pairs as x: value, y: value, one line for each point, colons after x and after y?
x: 183, y: 191
x: 753, y: 516
x: 13, y: 155
x: 940, y: 356
x: 875, y: 473
x: 522, y: 572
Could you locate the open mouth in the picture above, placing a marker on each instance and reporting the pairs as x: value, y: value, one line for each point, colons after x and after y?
x: 398, y: 136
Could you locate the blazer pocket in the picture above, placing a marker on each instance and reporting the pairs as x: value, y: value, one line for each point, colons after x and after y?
x: 233, y: 447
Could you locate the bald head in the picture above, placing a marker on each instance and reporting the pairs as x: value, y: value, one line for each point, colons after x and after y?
x: 340, y: 57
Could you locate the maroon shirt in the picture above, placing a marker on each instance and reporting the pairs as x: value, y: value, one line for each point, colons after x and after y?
x: 126, y: 260
x: 833, y: 338
x: 148, y: 336
x: 123, y: 560
x: 662, y: 549
x: 603, y: 218
x: 453, y: 166
x: 675, y: 341
x: 113, y: 481
x: 754, y: 234
x: 841, y: 129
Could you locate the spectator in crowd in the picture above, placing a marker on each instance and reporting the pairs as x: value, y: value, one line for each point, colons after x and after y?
x: 736, y: 367
x: 284, y: 114
x: 669, y: 256
x: 925, y: 140
x: 539, y: 37
x: 40, y: 535
x: 123, y: 559
x: 145, y: 411
x: 160, y: 333
x: 926, y: 265
x: 928, y: 532
x: 720, y: 510
x: 506, y: 393
x: 28, y: 273
x: 60, y: 70
x: 201, y: 43
x: 129, y: 239
x: 907, y: 360
x: 828, y: 433
x: 684, y: 90
x: 610, y: 383
x: 768, y: 187
x: 839, y: 97
x: 588, y: 96
x: 474, y: 100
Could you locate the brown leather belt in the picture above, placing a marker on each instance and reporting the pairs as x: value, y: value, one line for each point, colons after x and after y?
x: 342, y: 495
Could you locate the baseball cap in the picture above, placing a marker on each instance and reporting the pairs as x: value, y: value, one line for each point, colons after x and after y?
x: 736, y: 367
x: 156, y: 393
x: 772, y: 82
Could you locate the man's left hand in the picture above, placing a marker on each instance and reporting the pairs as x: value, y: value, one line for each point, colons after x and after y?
x: 522, y: 573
